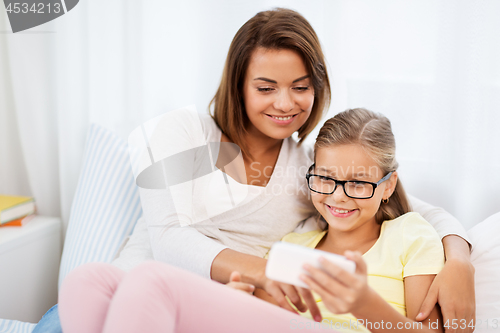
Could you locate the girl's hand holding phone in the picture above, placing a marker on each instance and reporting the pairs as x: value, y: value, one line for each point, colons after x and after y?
x: 340, y: 290
x: 278, y: 291
x: 275, y: 292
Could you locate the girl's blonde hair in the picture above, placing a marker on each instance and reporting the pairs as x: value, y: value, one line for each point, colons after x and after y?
x: 272, y: 29
x: 374, y: 133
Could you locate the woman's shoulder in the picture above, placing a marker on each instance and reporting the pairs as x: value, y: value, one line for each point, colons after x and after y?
x: 185, y: 119
x: 198, y: 126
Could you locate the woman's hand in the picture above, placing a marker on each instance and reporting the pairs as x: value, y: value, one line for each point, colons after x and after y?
x: 340, y: 290
x: 453, y: 289
x: 278, y: 291
x: 235, y: 283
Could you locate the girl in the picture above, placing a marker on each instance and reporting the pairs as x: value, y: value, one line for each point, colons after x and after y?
x: 355, y: 187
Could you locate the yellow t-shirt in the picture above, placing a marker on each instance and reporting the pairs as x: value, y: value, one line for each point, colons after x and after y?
x: 407, y: 245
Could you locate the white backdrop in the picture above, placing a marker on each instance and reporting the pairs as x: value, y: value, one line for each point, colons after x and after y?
x: 431, y: 66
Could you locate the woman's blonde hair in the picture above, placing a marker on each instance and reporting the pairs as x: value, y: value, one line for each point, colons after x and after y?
x: 374, y: 133
x: 273, y: 29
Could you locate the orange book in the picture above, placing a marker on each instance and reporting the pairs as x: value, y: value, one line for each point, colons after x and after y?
x: 18, y: 222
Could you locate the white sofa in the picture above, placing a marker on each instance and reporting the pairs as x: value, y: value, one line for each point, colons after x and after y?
x: 106, y: 208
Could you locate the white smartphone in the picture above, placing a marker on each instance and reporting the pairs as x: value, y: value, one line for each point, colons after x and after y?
x: 286, y: 260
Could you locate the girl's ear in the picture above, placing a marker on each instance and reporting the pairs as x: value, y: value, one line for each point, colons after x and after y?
x: 391, y: 185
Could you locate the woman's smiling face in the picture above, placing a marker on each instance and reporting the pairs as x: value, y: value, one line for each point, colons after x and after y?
x: 349, y: 162
x: 278, y: 94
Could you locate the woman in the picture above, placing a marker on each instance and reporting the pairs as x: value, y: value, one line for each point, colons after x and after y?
x: 274, y: 83
x: 275, y: 70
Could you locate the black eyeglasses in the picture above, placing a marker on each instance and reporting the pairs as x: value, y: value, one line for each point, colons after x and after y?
x: 356, y: 189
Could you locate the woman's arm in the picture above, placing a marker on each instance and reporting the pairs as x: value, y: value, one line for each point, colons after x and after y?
x: 250, y: 267
x: 187, y: 248
x: 167, y: 195
x: 172, y: 212
x: 443, y: 222
x: 350, y: 293
x: 181, y: 246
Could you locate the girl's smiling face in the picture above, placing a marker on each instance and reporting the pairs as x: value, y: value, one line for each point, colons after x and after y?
x: 349, y: 162
x: 278, y: 93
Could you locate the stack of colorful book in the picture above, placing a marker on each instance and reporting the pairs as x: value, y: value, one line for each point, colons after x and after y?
x: 16, y: 210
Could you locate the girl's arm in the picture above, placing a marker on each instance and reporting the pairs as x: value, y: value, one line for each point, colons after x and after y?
x: 351, y: 293
x: 376, y: 310
x: 457, y: 274
x: 453, y: 288
x: 416, y: 288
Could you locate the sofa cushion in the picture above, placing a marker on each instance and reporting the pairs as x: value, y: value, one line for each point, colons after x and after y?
x: 485, y: 257
x: 106, y: 205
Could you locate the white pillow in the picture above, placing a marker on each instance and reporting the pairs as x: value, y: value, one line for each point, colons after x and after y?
x: 485, y: 257
x: 106, y: 204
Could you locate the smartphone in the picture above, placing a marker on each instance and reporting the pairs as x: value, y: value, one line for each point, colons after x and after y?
x: 286, y: 260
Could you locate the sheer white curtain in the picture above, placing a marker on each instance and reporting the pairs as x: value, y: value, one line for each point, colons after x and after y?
x: 430, y: 66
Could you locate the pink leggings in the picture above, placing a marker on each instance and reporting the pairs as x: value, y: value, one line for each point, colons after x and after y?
x: 156, y: 297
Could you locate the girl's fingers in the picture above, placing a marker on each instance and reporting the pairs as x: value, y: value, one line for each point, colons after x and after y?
x: 314, y: 285
x: 235, y: 277
x: 327, y: 280
x: 235, y: 283
x: 339, y: 273
x: 294, y: 297
x: 308, y: 298
x: 248, y: 288
x: 358, y: 260
x: 335, y: 271
x: 333, y: 303
x: 279, y: 296
x: 337, y: 297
